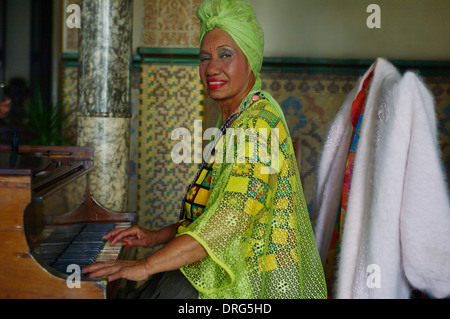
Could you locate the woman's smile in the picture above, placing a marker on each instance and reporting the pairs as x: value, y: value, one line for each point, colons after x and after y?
x: 215, y: 84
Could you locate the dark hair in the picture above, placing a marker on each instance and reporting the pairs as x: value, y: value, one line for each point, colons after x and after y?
x: 16, y: 89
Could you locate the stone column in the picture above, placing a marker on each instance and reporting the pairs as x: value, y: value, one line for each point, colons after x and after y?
x: 104, y: 110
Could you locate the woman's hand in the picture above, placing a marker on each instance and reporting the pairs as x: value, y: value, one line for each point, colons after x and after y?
x: 140, y: 237
x: 133, y: 236
x: 112, y: 270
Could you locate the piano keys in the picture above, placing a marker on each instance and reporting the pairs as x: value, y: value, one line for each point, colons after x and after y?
x: 77, y: 244
x: 49, y: 221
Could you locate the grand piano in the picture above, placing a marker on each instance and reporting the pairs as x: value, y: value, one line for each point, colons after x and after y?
x: 51, y: 226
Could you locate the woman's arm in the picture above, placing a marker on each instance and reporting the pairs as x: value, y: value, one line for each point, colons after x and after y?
x: 179, y: 252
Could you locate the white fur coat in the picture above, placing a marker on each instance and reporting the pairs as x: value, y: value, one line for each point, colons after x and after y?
x: 397, y: 226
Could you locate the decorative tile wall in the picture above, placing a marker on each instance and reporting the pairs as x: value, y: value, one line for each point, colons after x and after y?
x: 309, y: 102
x: 171, y: 98
x: 170, y: 23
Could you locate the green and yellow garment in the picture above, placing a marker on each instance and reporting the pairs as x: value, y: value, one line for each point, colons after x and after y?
x: 254, y: 225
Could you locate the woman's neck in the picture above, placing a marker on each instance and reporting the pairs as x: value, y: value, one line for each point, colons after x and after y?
x: 228, y: 107
x: 228, y: 111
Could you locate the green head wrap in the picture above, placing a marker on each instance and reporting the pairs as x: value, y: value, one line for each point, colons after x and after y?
x: 238, y: 19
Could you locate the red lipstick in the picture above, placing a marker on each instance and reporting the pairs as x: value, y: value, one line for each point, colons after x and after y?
x: 214, y: 84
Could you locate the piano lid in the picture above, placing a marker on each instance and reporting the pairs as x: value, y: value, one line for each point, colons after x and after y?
x: 19, y: 164
x: 49, y: 168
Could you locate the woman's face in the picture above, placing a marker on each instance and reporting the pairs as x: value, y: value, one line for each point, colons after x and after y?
x: 224, y: 69
x: 5, y: 107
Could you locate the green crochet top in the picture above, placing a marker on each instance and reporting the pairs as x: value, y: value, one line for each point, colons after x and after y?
x: 255, y: 226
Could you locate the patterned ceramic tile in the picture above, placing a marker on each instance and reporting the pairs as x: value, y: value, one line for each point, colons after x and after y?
x: 170, y: 23
x: 170, y: 98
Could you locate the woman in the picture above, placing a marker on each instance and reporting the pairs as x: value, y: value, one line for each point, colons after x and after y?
x: 253, y: 239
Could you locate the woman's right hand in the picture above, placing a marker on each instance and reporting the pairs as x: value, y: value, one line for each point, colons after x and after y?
x: 133, y: 236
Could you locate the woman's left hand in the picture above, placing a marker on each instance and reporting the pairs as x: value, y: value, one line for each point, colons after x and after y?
x: 134, y: 270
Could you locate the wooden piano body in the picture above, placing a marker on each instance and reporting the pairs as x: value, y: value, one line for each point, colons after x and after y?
x: 42, y: 187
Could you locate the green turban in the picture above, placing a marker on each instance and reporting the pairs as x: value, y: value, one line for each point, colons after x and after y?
x: 238, y: 19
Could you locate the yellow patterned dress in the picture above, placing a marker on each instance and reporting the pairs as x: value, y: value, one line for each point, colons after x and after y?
x: 250, y: 216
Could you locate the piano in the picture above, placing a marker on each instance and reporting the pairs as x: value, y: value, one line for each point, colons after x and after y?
x: 51, y: 226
